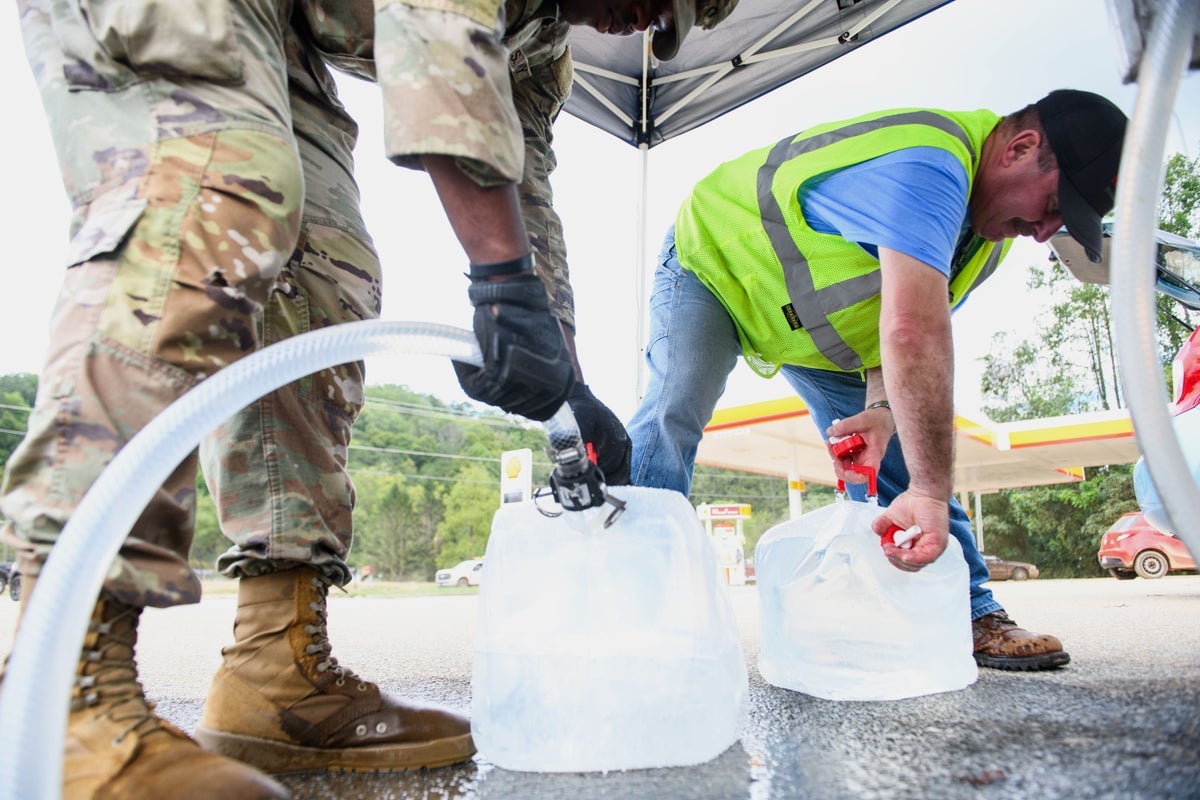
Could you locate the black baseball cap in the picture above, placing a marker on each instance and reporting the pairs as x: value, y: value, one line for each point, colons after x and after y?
x: 1086, y: 132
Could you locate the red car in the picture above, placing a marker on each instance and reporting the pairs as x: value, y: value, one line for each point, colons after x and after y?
x: 1133, y: 547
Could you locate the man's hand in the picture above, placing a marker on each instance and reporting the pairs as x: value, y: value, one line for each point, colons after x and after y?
x: 931, y: 514
x: 876, y: 428
x: 605, y: 434
x: 526, y: 369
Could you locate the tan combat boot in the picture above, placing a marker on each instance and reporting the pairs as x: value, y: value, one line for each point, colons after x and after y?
x: 281, y: 702
x: 116, y: 747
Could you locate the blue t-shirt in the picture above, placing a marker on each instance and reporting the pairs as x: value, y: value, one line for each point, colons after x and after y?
x: 913, y: 200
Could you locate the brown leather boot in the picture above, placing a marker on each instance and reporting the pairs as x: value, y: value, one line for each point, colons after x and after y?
x: 116, y: 747
x: 281, y: 702
x: 1001, y: 644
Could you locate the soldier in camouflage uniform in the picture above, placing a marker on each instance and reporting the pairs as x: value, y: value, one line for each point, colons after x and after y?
x: 208, y: 163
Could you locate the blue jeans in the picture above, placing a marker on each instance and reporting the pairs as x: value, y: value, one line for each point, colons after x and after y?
x: 693, y: 347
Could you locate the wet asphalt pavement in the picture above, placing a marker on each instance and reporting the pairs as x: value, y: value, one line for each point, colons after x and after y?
x: 1121, y: 721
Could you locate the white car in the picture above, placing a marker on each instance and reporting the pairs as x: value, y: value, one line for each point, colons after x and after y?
x: 464, y: 573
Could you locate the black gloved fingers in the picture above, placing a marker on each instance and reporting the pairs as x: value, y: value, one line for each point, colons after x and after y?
x: 527, y: 368
x: 520, y: 381
x: 599, y: 426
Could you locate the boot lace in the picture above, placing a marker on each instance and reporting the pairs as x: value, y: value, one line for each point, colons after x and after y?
x: 1001, y: 621
x: 113, y: 682
x: 320, y: 639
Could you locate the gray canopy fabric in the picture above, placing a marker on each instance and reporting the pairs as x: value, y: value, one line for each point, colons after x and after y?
x: 761, y: 46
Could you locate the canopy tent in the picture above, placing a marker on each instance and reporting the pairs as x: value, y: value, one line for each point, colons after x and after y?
x: 763, y: 45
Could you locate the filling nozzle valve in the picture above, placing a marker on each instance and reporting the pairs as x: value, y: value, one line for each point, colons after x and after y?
x: 578, y: 484
x: 576, y: 481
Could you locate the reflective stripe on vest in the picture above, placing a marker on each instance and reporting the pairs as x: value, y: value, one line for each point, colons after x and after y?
x: 813, y: 305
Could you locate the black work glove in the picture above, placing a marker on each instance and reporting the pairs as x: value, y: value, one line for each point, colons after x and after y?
x: 605, y: 434
x: 526, y: 368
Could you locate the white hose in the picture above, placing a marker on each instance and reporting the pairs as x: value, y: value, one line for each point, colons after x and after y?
x: 562, y: 429
x: 1164, y: 59
x: 41, y: 670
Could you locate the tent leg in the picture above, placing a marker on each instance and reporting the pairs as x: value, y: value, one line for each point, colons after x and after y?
x: 641, y: 289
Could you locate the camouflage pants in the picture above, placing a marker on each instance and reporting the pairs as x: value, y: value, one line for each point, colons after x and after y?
x: 204, y: 227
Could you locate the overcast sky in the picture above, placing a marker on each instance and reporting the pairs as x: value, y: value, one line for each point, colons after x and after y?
x: 997, y: 54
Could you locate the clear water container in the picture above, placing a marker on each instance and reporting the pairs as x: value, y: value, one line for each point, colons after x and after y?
x: 1187, y: 432
x: 839, y: 622
x: 605, y: 648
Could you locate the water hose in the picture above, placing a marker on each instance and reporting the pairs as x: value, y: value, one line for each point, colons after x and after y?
x: 1168, y: 47
x: 41, y: 670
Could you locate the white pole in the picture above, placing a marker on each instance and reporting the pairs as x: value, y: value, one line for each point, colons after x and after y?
x: 795, y: 496
x: 979, y: 521
x: 641, y: 293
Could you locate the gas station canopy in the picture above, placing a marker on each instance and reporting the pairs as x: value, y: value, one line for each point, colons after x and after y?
x: 778, y: 438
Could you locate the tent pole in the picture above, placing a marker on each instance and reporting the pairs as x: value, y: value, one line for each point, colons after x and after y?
x: 643, y: 303
x: 642, y: 137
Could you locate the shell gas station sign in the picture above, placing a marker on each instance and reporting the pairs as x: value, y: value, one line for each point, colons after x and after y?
x: 516, y: 476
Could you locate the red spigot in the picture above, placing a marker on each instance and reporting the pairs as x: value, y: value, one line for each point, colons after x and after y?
x: 872, y: 487
x: 847, y: 446
x: 905, y: 535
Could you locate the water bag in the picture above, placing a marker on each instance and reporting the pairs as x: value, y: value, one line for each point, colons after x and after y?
x: 841, y: 623
x: 605, y: 648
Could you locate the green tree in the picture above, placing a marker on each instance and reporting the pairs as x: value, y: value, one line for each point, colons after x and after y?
x: 209, y: 541
x: 1021, y: 385
x: 1069, y: 364
x: 1179, y: 213
x: 17, y: 393
x: 1179, y: 206
x: 387, y: 532
x: 471, y: 502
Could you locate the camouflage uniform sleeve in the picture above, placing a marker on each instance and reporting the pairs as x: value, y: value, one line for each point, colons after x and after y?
x: 443, y: 72
x: 541, y: 80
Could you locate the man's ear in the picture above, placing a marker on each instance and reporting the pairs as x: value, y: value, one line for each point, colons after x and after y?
x: 1023, y: 144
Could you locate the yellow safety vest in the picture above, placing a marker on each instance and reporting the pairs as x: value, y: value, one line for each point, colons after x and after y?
x: 795, y: 295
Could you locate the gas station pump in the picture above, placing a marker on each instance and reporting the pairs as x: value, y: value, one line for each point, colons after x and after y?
x: 723, y: 522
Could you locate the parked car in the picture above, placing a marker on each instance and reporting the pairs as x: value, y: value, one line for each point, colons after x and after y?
x: 1001, y: 569
x: 1133, y: 547
x: 464, y: 573
x: 10, y: 577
